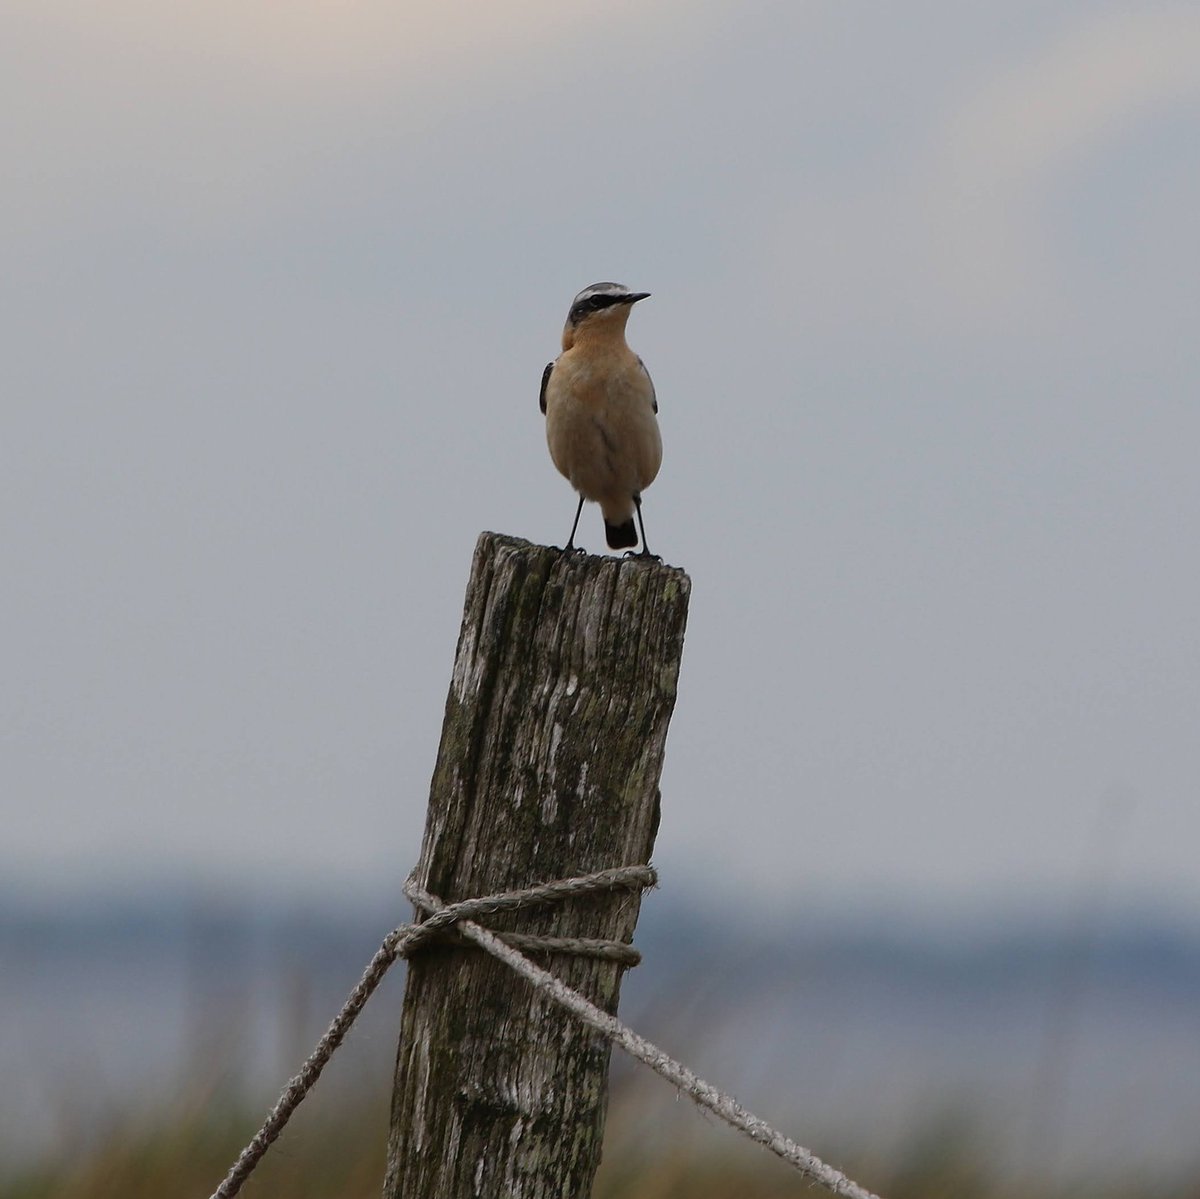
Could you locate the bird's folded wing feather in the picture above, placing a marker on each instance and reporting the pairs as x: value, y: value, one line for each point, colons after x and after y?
x: 653, y: 393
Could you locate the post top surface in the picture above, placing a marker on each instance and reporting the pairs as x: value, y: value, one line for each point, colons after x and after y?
x: 497, y: 541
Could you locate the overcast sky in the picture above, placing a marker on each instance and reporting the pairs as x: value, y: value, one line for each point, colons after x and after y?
x: 279, y: 282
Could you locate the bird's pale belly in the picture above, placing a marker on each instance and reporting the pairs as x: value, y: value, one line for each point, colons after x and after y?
x: 608, y: 452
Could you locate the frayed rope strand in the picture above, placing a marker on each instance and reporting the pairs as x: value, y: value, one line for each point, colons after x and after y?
x: 407, y: 939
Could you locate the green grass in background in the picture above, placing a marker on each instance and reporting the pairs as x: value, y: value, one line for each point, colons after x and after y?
x: 339, y: 1154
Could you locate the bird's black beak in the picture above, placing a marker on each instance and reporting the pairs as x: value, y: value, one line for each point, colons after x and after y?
x: 634, y: 296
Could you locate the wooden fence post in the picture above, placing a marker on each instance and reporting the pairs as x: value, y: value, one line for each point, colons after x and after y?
x: 552, y: 746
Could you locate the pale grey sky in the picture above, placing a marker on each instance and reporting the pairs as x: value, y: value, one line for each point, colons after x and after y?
x: 278, y: 287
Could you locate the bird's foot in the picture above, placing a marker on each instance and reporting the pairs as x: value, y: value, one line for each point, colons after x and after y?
x: 574, y: 549
x: 644, y: 554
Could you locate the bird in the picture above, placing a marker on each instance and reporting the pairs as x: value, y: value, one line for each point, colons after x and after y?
x: 601, y: 414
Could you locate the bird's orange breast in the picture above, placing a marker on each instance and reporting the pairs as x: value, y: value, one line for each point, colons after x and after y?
x: 600, y: 423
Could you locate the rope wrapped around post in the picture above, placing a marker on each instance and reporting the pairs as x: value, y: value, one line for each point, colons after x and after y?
x: 408, y: 939
x: 444, y: 918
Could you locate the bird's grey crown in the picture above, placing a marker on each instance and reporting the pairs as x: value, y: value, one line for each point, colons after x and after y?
x: 600, y: 289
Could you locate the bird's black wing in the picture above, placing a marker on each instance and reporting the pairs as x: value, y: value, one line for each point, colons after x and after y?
x: 653, y: 393
x: 545, y: 380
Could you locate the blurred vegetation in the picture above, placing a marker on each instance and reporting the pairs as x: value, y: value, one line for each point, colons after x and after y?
x: 339, y: 1154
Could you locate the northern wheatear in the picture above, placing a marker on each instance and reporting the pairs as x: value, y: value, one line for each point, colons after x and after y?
x: 600, y: 413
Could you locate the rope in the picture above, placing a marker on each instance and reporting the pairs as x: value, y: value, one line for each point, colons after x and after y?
x: 588, y: 947
x: 404, y: 941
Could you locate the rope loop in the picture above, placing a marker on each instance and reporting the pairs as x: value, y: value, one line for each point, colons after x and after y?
x: 438, y: 927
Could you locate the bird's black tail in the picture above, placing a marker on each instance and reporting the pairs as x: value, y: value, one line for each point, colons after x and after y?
x: 621, y: 536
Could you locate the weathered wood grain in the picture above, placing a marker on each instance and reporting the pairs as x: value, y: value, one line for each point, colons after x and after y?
x: 552, y: 747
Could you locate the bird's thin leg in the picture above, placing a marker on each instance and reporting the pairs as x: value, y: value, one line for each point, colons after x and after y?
x: 645, y: 552
x: 570, y: 546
